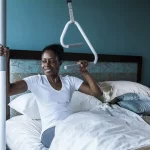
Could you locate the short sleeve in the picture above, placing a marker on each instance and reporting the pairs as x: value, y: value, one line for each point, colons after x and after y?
x: 75, y: 82
x: 31, y: 81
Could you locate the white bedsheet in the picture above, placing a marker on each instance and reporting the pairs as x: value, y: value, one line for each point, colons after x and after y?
x: 103, y: 128
x: 23, y: 133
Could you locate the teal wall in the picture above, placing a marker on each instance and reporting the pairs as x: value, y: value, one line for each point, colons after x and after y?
x: 113, y: 26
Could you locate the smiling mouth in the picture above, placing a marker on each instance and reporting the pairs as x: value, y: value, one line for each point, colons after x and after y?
x: 49, y: 70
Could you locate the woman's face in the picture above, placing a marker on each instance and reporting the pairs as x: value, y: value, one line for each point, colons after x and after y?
x: 50, y: 63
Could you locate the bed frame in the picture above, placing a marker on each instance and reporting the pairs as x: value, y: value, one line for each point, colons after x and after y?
x: 36, y: 55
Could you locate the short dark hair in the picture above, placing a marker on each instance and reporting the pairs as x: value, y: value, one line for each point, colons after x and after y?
x: 57, y: 49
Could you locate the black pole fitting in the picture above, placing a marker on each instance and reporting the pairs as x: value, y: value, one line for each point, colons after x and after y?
x: 69, y: 1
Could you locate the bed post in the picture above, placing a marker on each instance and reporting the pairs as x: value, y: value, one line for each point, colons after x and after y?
x: 3, y: 76
x: 7, y: 97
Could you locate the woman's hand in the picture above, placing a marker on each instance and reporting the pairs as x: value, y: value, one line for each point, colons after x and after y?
x: 4, y: 51
x: 83, y: 64
x: 89, y: 86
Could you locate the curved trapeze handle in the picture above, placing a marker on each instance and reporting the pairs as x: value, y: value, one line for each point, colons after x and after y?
x: 82, y: 33
x: 85, y: 38
x: 66, y: 27
x: 63, y: 35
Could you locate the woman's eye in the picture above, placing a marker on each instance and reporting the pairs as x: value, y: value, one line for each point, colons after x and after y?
x: 43, y: 61
x: 47, y: 61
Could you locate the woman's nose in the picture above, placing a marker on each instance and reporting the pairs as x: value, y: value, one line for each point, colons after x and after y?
x: 48, y: 63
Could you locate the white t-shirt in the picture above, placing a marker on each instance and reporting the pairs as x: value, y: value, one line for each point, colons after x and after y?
x: 53, y: 104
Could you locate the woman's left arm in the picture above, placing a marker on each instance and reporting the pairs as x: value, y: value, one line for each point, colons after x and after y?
x: 89, y: 87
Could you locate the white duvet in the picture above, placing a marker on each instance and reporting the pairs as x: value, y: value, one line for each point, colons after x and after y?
x: 102, y: 128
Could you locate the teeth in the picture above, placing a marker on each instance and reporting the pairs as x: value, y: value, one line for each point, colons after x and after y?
x: 47, y: 70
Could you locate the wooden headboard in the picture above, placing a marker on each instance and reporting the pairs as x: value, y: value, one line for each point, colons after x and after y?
x: 27, y: 54
x: 36, y: 55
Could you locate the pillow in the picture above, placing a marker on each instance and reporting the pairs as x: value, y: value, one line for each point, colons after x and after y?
x: 123, y: 87
x: 107, y: 91
x: 26, y: 105
x: 83, y: 102
x: 132, y: 96
x: 137, y: 106
x: 137, y: 103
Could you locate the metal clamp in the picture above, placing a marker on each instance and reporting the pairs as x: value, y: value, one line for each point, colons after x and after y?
x: 69, y: 1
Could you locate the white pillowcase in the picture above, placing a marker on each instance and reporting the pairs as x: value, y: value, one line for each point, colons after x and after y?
x: 83, y: 102
x: 26, y: 104
x: 123, y: 87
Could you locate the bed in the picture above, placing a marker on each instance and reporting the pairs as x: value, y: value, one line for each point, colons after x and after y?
x: 83, y: 130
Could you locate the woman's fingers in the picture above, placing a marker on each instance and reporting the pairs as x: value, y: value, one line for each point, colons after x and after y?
x: 1, y: 50
x: 83, y: 65
x: 4, y: 51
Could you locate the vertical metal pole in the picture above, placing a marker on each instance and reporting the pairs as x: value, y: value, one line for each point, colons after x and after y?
x: 3, y: 76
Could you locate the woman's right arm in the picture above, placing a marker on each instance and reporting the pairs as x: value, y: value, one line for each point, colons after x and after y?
x: 16, y: 87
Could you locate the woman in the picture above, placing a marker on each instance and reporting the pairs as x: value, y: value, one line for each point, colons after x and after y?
x: 52, y: 91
